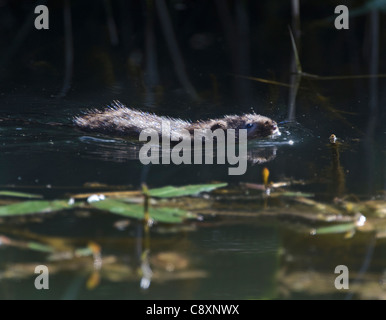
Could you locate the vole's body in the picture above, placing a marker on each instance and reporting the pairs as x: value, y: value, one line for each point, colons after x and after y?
x: 119, y: 120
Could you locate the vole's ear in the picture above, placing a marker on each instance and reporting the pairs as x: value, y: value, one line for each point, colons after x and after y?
x: 218, y: 125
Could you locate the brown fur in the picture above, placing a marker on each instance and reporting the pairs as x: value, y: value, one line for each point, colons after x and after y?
x: 119, y: 120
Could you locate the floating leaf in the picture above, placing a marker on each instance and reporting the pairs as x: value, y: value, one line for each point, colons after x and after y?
x: 30, y: 207
x: 170, y: 215
x: 110, y: 194
x: 189, y: 190
x: 40, y: 247
x: 121, y: 208
x: 83, y: 252
x: 295, y: 194
x: 19, y: 194
x: 164, y: 192
x: 339, y: 228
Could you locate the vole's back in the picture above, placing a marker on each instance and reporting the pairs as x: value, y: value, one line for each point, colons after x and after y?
x: 119, y: 120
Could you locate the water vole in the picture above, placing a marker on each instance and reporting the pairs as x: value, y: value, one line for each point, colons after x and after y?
x: 119, y: 120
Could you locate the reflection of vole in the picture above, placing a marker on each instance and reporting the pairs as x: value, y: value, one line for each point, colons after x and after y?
x: 119, y: 120
x: 123, y: 151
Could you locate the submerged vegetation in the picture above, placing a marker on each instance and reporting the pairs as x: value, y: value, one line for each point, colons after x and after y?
x: 168, y: 210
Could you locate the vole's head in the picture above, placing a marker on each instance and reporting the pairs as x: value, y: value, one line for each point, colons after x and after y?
x: 260, y: 127
x: 257, y: 126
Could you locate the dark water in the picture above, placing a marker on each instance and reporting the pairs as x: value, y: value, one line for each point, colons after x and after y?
x: 234, y: 253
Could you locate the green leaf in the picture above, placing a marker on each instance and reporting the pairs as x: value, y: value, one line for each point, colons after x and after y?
x: 40, y: 247
x: 169, y: 215
x: 30, y: 207
x: 83, y: 252
x: 338, y: 228
x: 189, y: 190
x: 19, y: 194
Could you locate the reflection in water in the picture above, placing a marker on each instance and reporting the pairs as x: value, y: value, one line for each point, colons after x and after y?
x: 270, y: 253
x: 259, y: 151
x: 305, y: 272
x: 112, y: 259
x: 336, y: 174
x: 122, y: 151
x: 372, y: 121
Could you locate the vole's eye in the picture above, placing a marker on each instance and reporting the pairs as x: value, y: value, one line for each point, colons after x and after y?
x: 248, y: 125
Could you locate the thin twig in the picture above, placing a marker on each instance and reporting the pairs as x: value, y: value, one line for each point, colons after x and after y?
x: 20, y: 37
x: 111, y: 25
x: 179, y: 65
x: 359, y: 76
x: 69, y: 50
x: 295, y: 52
